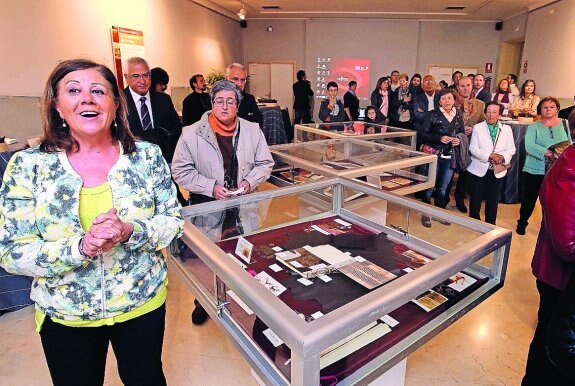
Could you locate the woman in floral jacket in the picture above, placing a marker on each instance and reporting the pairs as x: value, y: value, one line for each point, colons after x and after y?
x: 86, y: 214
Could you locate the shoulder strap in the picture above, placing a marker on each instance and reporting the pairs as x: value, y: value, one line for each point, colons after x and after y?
x: 566, y: 129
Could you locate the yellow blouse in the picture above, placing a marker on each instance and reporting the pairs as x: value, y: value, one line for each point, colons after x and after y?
x: 522, y: 104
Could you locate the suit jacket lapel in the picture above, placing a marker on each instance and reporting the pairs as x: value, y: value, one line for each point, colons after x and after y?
x: 133, y: 115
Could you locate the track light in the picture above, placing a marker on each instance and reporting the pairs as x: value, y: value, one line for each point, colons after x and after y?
x: 242, y: 13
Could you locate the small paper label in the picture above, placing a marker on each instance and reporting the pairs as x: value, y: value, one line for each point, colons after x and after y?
x: 277, y: 249
x: 344, y: 223
x: 276, y: 268
x: 407, y: 269
x: 359, y: 259
x: 389, y: 321
x: 273, y: 338
x: 305, y: 281
x: 296, y: 264
x: 317, y: 315
x: 320, y: 230
x: 325, y: 278
x: 317, y: 266
x: 244, y: 249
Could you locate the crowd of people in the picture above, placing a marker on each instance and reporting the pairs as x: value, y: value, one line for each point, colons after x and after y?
x: 88, y: 211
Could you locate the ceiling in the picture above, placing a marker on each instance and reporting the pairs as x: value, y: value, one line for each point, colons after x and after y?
x: 473, y: 10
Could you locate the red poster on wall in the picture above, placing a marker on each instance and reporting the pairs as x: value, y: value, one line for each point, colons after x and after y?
x: 525, y: 65
x: 488, y: 68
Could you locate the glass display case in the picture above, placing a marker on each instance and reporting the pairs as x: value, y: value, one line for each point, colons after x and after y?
x: 356, y: 129
x: 389, y: 166
x: 316, y: 290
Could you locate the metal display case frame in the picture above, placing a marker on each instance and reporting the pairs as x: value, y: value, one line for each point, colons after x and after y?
x: 406, y: 158
x: 307, y: 339
x: 341, y: 130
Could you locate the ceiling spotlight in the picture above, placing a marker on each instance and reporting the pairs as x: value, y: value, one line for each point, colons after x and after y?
x: 242, y: 13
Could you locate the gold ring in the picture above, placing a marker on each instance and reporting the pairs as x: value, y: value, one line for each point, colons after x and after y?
x: 99, y: 252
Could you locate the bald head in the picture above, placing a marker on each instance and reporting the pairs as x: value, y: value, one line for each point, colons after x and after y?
x: 465, y: 86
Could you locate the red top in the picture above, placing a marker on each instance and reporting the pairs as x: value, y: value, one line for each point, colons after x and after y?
x: 555, y: 250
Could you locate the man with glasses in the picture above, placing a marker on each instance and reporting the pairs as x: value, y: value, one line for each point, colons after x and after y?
x: 151, y: 115
x: 248, y: 109
x: 221, y: 156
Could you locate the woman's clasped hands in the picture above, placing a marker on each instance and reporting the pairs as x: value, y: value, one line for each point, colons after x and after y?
x: 107, y: 231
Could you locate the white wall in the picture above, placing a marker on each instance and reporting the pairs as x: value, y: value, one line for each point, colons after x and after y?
x: 549, y: 49
x: 179, y: 36
x: 442, y: 42
x: 514, y: 28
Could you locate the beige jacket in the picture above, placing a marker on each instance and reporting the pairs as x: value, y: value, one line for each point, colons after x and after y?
x: 198, y: 164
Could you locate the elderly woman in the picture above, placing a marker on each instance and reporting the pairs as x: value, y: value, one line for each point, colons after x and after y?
x: 540, y: 135
x: 526, y: 103
x: 502, y: 94
x: 401, y: 104
x: 380, y: 99
x: 491, y: 144
x: 440, y: 136
x: 221, y: 155
x: 86, y: 213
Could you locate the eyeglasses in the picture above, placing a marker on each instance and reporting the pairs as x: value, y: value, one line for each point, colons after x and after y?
x: 240, y: 80
x: 428, y: 81
x: 231, y: 102
x: 140, y: 76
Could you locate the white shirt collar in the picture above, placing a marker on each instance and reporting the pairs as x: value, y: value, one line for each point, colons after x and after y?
x: 136, y: 97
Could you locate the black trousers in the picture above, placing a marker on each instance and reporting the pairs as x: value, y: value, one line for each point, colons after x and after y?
x: 487, y: 187
x: 531, y: 186
x: 461, y: 186
x: 539, y: 370
x: 77, y: 355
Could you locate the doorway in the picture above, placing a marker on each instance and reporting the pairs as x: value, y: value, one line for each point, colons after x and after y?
x: 509, y: 60
x: 273, y: 80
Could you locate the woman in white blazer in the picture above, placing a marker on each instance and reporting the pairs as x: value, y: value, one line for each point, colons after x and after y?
x: 491, y: 144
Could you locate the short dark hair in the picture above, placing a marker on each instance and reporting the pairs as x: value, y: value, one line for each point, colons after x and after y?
x: 444, y: 83
x: 300, y: 75
x: 159, y: 76
x: 481, y: 75
x: 394, y: 71
x: 352, y: 83
x: 513, y: 76
x: 455, y: 73
x: 445, y: 91
x: 331, y: 84
x: 194, y: 79
x: 494, y: 103
x: 416, y: 75
x: 57, y: 137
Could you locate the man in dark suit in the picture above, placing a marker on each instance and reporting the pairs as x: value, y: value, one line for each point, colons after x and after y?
x: 197, y: 103
x: 248, y: 108
x: 151, y: 115
x: 423, y: 103
x: 351, y: 102
x: 478, y: 89
x: 302, y: 92
x: 455, y: 79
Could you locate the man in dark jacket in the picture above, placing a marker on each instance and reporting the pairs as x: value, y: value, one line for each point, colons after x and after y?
x: 302, y: 92
x: 151, y: 115
x: 197, y: 103
x: 351, y: 102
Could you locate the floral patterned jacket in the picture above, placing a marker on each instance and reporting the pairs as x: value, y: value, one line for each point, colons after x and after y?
x: 40, y: 230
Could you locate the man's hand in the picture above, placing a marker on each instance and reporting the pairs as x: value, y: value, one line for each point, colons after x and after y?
x: 246, y: 186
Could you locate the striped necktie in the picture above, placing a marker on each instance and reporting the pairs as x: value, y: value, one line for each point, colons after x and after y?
x: 146, y: 120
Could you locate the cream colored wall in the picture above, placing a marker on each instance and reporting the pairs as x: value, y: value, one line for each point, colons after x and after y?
x: 514, y: 28
x: 179, y: 36
x: 457, y: 43
x: 549, y: 42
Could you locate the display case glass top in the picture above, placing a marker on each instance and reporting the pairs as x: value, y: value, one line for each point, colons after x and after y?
x: 356, y: 129
x: 311, y: 286
x: 388, y: 166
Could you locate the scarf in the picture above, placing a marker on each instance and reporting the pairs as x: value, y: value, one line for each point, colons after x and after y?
x: 219, y: 128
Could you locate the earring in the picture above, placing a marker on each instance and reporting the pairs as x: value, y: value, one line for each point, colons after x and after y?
x: 63, y: 124
x: 115, y: 123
